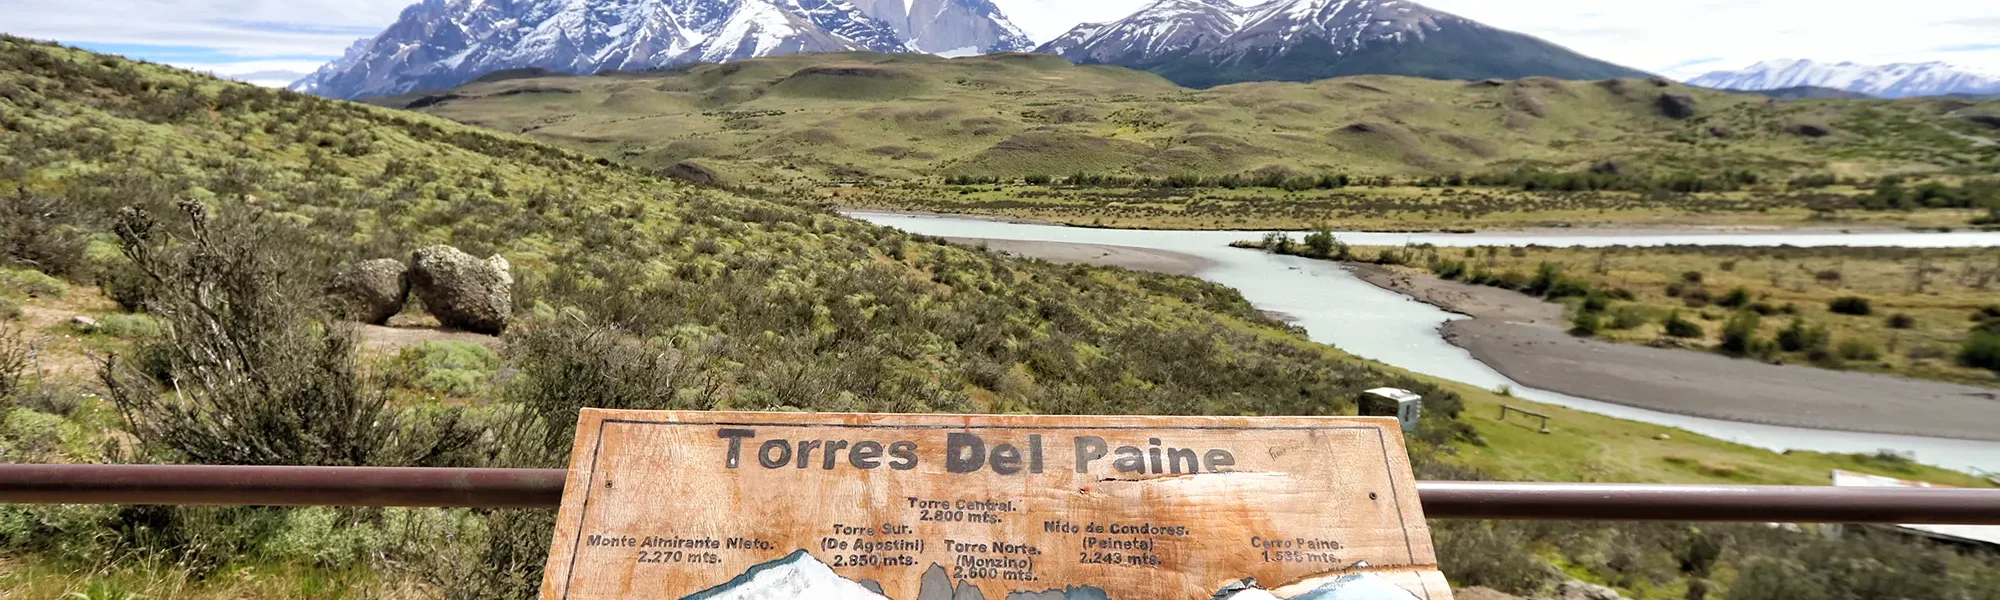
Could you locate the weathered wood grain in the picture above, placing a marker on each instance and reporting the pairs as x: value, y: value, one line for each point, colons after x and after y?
x: 943, y: 507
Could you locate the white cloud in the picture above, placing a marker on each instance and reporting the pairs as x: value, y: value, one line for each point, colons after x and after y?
x: 1680, y: 39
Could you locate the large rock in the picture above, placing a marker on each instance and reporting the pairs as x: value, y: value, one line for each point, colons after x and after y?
x: 463, y: 292
x: 371, y: 291
x: 1676, y: 106
x: 1578, y: 590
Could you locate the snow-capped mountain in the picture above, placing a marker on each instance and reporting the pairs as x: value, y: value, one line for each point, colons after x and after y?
x: 1899, y: 80
x: 796, y: 576
x: 949, y: 27
x: 1165, y: 29
x: 1211, y: 42
x: 443, y: 43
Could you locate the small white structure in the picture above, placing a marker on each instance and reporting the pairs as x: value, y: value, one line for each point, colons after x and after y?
x: 1984, y: 535
x: 1404, y: 405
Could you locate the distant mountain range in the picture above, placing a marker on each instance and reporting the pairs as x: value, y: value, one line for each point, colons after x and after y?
x: 444, y: 43
x: 1202, y: 43
x: 438, y: 44
x: 1901, y: 80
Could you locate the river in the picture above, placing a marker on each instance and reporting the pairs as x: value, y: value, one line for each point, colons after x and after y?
x: 1339, y: 309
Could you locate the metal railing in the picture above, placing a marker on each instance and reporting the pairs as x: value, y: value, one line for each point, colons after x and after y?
x: 542, y: 488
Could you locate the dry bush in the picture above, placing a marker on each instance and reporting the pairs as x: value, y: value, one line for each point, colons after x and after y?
x: 255, y: 374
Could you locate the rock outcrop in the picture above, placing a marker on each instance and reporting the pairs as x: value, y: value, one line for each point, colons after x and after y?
x: 1676, y: 106
x: 371, y: 291
x: 462, y: 291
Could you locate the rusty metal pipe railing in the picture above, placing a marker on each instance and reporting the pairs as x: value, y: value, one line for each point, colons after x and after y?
x: 542, y: 488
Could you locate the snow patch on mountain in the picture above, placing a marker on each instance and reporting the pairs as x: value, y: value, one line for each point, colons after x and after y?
x: 443, y: 43
x: 796, y: 576
x: 1900, y: 80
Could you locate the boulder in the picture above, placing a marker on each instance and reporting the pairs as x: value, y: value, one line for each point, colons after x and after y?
x: 370, y: 291
x: 1578, y: 590
x: 462, y: 291
x: 1812, y: 130
x: 83, y: 323
x: 1676, y: 106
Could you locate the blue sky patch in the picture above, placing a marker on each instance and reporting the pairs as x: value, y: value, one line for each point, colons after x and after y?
x: 186, y: 54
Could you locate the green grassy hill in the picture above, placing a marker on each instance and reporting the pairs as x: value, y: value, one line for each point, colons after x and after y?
x: 896, y: 117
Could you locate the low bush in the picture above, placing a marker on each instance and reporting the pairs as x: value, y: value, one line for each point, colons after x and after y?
x: 14, y: 362
x: 1856, y: 349
x: 127, y: 326
x: 31, y: 284
x: 1981, y: 351
x: 261, y: 376
x: 1799, y: 337
x: 1628, y: 317
x: 1851, y: 305
x: 1585, y: 323
x: 1739, y: 336
x: 1596, y: 303
x: 1680, y: 327
x: 1902, y: 321
x: 1738, y: 297
x: 10, y: 309
x: 1694, y: 277
x: 38, y: 231
x: 1697, y: 298
x: 447, y: 368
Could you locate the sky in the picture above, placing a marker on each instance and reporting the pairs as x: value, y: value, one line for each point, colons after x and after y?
x: 273, y: 42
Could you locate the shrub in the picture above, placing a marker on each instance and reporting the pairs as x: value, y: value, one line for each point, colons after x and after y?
x: 1798, y: 337
x: 31, y: 283
x: 1739, y: 335
x: 10, y: 310
x: 14, y: 361
x: 261, y: 377
x: 1682, y: 328
x: 1596, y: 303
x: 1902, y: 321
x: 1981, y: 351
x: 1856, y: 349
x: 1738, y: 297
x: 1697, y: 298
x: 1674, y: 290
x: 1493, y: 554
x: 1828, y: 276
x: 1627, y: 317
x: 1692, y: 277
x: 1450, y: 269
x: 1851, y: 305
x: 127, y: 326
x: 448, y: 368
x: 38, y: 231
x: 1321, y: 244
x: 1585, y: 324
x: 1764, y: 308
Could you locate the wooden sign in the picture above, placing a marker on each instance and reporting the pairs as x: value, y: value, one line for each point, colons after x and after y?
x: 750, y: 506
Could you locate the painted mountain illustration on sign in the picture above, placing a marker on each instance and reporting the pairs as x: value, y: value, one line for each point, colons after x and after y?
x: 800, y: 576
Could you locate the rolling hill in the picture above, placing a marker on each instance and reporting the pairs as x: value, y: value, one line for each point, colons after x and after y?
x: 862, y: 116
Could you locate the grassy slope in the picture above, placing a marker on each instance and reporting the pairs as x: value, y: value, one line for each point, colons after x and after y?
x: 1956, y: 284
x: 788, y: 119
x: 864, y: 318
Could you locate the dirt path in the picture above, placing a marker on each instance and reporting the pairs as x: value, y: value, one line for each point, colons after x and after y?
x: 1137, y: 259
x: 1521, y: 337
